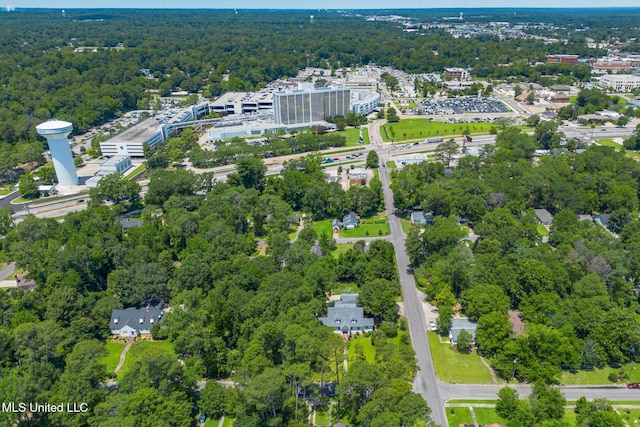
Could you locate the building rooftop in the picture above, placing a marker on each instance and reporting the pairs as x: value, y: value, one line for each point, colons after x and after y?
x: 137, y: 133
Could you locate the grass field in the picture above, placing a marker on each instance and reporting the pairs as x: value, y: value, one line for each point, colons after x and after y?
x: 340, y: 249
x: 353, y: 135
x: 453, y: 367
x: 367, y: 348
x: 112, y: 359
x: 323, y: 226
x: 542, y: 230
x: 608, y: 142
x: 211, y: 422
x: 599, y: 376
x: 366, y: 230
x: 391, y: 164
x: 407, y: 129
x: 457, y: 416
x: 322, y: 416
x: 486, y: 416
x: 406, y: 225
x: 135, y: 353
x: 228, y: 422
x: 472, y: 402
x: 345, y: 288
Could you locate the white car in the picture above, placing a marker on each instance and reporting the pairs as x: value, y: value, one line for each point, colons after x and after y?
x: 432, y: 325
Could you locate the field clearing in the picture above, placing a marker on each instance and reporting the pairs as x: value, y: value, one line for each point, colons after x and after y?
x: 409, y: 129
x: 454, y: 367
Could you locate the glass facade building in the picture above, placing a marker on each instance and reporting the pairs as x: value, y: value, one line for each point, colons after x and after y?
x: 310, y: 105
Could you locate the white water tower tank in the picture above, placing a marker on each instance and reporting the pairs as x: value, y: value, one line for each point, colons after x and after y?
x: 57, y: 132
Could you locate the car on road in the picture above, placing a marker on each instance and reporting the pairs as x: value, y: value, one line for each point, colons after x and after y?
x: 202, y: 418
x: 633, y: 385
x: 432, y: 325
x: 80, y: 201
x: 336, y: 159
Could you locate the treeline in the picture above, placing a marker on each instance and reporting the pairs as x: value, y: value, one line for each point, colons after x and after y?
x: 575, y: 292
x: 43, y: 77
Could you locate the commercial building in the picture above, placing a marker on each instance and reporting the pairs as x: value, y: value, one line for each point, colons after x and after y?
x: 456, y: 73
x: 308, y: 105
x: 564, y: 59
x: 116, y: 164
x: 620, y: 82
x: 364, y: 101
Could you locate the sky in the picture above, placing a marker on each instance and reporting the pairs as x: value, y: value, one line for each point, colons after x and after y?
x: 313, y: 4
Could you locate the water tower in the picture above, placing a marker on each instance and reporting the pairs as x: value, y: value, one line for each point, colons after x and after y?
x: 56, y: 132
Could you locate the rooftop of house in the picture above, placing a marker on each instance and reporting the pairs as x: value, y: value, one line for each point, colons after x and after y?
x: 140, y: 319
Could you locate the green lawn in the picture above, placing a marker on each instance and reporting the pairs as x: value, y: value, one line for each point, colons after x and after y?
x: 345, y: 288
x: 406, y: 225
x: 420, y: 128
x: 391, y: 164
x: 486, y: 416
x: 472, y: 402
x: 353, y: 135
x: 322, y: 416
x: 137, y: 171
x: 228, y: 422
x: 135, y: 353
x: 340, y: 249
x: 569, y: 417
x: 599, y: 376
x: 542, y: 230
x: 323, y: 226
x: 211, y: 422
x: 608, y: 142
x: 112, y: 359
x: 367, y: 348
x: 6, y: 192
x: 453, y: 367
x: 459, y: 416
x: 366, y: 230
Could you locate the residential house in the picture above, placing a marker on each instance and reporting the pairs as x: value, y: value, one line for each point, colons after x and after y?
x: 133, y: 322
x: 128, y: 223
x: 345, y: 317
x: 421, y: 218
x: 459, y: 325
x: 603, y: 220
x: 350, y: 221
x: 583, y: 217
x: 543, y: 216
x: 316, y: 249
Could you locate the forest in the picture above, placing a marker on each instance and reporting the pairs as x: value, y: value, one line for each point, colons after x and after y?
x: 43, y: 74
x: 235, y: 312
x: 574, y: 286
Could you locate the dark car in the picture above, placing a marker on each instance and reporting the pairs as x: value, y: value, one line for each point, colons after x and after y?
x: 633, y: 385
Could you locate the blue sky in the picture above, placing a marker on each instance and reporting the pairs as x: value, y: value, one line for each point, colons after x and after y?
x: 309, y: 4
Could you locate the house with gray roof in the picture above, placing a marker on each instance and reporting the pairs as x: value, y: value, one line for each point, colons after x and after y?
x: 543, y: 216
x: 133, y: 322
x: 345, y: 317
x: 459, y: 325
x: 421, y: 218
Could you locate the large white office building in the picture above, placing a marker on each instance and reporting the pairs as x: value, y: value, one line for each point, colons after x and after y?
x: 620, y: 82
x: 309, y: 105
x: 364, y: 101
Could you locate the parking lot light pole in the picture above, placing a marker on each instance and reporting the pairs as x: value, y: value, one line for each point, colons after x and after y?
x: 515, y: 361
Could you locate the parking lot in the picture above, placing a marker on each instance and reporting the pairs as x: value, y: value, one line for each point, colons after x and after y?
x: 463, y: 105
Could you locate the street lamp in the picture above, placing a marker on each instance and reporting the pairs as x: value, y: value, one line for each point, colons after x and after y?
x: 515, y: 361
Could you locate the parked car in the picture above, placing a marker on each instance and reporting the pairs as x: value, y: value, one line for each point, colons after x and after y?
x: 432, y: 325
x: 633, y: 385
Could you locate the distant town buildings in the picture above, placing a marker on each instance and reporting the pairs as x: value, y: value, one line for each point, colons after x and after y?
x: 564, y: 59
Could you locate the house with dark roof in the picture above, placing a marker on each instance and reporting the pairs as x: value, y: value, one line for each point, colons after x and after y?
x: 459, y: 325
x: 345, y: 317
x: 350, y: 221
x: 543, y: 216
x: 128, y: 223
x: 133, y: 322
x: 316, y: 249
